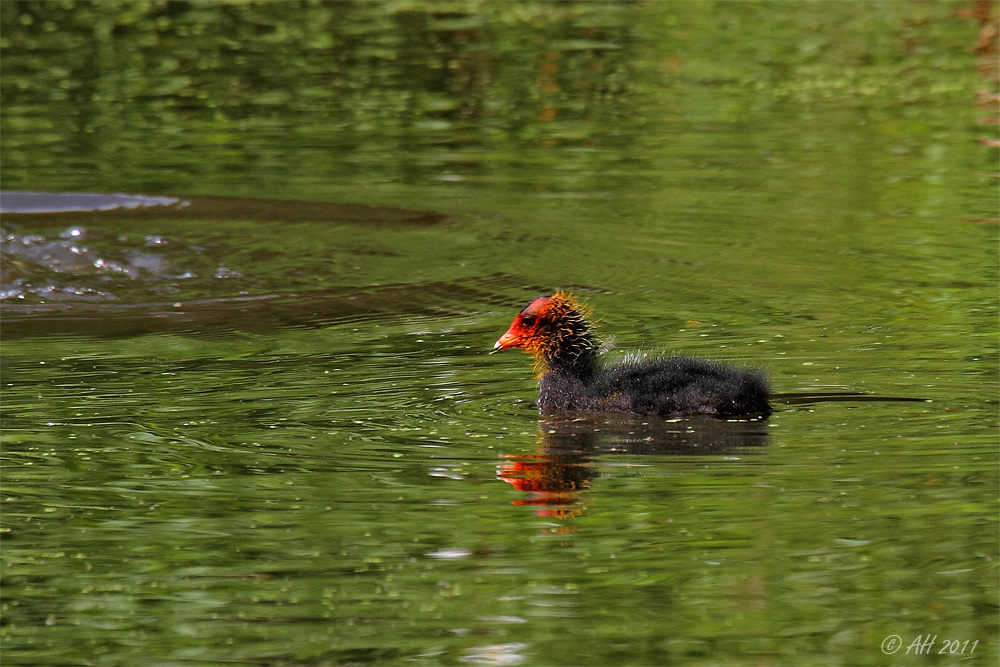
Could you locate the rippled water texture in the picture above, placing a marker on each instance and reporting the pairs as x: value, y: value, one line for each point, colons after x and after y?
x: 258, y: 253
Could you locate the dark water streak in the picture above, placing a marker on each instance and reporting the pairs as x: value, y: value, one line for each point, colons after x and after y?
x: 260, y: 313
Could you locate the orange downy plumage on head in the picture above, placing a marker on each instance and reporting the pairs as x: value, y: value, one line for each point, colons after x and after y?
x: 551, y: 327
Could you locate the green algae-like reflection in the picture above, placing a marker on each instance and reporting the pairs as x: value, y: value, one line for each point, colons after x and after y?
x: 264, y: 429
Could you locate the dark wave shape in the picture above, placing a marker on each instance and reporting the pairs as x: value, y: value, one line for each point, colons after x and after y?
x: 257, y: 313
x: 80, y: 208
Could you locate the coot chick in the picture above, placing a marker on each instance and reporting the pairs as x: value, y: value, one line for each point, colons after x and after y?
x: 556, y: 330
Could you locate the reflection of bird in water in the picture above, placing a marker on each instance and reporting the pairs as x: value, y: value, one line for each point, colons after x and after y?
x: 553, y: 484
x: 564, y: 463
x: 556, y: 331
x: 570, y: 446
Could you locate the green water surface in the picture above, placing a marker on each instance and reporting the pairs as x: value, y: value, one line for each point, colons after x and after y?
x: 278, y: 439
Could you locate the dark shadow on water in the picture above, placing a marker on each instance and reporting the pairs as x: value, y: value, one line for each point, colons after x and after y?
x: 56, y: 281
x: 256, y: 313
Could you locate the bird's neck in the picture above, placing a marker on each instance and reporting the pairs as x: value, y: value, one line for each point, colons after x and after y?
x: 576, y: 357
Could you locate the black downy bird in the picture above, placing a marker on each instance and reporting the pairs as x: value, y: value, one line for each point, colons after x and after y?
x: 557, y: 331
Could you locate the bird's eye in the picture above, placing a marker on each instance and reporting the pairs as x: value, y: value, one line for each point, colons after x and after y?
x: 528, y: 320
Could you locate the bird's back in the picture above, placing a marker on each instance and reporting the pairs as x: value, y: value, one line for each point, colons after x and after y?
x: 670, y: 386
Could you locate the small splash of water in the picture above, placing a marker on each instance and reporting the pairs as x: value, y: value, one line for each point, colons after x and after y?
x: 75, y: 265
x: 21, y: 289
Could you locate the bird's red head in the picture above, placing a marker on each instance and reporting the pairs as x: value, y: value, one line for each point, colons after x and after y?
x: 526, y: 331
x: 550, y: 328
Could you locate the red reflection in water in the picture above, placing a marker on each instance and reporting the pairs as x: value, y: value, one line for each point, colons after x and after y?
x: 553, y: 482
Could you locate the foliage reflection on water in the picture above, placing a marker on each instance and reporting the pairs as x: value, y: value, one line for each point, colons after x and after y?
x: 305, y: 461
